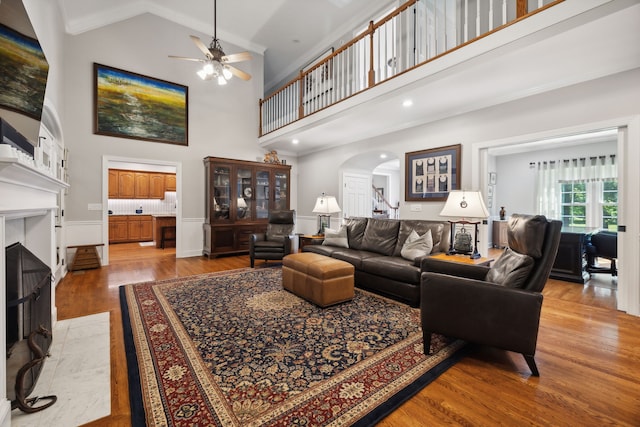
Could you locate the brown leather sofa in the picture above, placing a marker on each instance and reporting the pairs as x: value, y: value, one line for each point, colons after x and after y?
x: 374, y: 249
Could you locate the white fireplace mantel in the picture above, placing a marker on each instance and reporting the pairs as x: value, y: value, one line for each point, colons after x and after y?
x: 31, y: 194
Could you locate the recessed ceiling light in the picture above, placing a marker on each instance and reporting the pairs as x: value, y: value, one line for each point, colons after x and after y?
x: 407, y: 103
x: 295, y: 141
x: 383, y: 156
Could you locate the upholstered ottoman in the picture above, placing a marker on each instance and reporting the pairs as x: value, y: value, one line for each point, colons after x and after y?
x: 322, y: 280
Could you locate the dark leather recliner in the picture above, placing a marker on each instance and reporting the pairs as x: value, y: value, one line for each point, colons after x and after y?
x: 498, y: 306
x: 603, y: 244
x: 277, y: 241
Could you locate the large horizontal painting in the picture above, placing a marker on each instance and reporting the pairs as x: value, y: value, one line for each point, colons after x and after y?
x: 130, y: 105
x: 23, y: 73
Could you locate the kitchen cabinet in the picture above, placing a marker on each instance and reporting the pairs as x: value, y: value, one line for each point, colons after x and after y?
x: 156, y: 185
x: 238, y: 197
x: 113, y: 184
x: 118, y: 229
x: 170, y: 182
x: 127, y: 184
x: 130, y: 228
x: 141, y: 180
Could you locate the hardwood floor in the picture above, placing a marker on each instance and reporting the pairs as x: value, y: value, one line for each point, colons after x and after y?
x: 588, y: 353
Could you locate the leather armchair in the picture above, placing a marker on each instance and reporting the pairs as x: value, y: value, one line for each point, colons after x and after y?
x: 603, y: 244
x: 277, y: 241
x: 498, y: 306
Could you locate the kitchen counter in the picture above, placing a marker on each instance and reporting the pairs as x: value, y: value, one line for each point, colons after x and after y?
x: 163, y: 220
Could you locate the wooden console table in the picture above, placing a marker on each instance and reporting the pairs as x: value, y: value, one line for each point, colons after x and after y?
x: 86, y: 257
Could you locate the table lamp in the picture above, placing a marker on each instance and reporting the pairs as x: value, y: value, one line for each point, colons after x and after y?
x: 465, y: 205
x: 325, y: 206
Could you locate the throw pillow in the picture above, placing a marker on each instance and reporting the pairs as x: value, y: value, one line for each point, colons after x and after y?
x: 336, y: 237
x: 511, y: 269
x: 417, y: 246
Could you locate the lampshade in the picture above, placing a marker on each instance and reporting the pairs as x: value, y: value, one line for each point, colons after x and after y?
x: 465, y: 204
x: 326, y: 205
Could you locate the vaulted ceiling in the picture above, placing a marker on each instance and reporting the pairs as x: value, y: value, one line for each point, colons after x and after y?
x: 288, y: 32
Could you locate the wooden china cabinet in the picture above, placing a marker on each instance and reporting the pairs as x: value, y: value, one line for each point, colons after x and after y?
x: 239, y: 195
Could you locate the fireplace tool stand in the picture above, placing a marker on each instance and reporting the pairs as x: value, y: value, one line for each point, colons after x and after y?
x: 21, y: 402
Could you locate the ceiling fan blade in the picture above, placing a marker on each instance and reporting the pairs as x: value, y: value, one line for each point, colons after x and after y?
x: 201, y: 46
x: 236, y: 57
x: 239, y: 73
x: 187, y: 59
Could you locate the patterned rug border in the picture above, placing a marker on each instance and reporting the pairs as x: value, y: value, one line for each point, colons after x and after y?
x: 386, y: 403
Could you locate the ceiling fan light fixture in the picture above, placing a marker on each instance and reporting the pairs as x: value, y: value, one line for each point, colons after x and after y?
x: 222, y: 80
x: 226, y: 72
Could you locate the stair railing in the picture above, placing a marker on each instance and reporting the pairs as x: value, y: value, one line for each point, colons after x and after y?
x: 414, y: 34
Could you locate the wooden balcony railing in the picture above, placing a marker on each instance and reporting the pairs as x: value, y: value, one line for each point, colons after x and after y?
x: 416, y: 33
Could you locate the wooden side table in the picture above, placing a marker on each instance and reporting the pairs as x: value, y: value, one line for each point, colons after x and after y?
x: 86, y: 257
x: 463, y: 259
x: 309, y: 239
x: 499, y: 236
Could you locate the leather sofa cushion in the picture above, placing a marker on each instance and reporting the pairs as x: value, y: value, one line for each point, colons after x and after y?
x: 321, y: 249
x: 353, y: 257
x: 355, y: 231
x: 396, y: 268
x: 381, y: 236
x: 420, y: 227
x: 511, y: 269
x: 524, y: 233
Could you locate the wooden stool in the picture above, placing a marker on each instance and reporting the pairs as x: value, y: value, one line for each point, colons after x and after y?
x: 167, y: 234
x: 322, y: 280
x: 86, y: 257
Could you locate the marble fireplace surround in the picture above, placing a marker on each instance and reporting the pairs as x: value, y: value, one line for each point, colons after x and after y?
x: 28, y: 204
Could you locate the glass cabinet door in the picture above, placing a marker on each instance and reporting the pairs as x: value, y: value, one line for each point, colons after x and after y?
x: 262, y: 194
x: 281, y: 190
x: 245, y: 187
x: 221, y: 202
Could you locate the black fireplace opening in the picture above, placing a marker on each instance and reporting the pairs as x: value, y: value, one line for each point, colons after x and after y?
x: 28, y: 299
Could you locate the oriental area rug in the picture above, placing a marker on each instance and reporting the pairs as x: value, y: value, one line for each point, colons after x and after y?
x: 235, y: 349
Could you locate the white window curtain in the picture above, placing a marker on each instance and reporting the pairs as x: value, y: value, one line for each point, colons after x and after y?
x: 550, y: 174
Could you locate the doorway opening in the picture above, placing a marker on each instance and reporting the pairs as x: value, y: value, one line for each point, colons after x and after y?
x: 627, y: 134
x: 371, y: 185
x: 143, y: 215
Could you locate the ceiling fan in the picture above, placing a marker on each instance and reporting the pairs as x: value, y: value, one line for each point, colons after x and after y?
x: 216, y: 62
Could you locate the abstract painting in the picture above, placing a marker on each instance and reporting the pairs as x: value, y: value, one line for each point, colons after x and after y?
x: 130, y: 105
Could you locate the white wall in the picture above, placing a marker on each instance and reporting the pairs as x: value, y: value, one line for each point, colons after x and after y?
x: 223, y: 120
x: 515, y: 187
x: 611, y: 97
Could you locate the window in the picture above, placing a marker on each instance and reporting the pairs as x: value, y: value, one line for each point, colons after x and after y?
x: 582, y: 192
x: 590, y: 204
x: 610, y: 205
x: 574, y: 204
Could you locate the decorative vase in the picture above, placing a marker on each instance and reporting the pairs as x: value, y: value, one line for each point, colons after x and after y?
x: 503, y: 213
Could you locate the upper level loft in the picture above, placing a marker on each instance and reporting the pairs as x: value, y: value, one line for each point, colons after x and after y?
x: 449, y: 56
